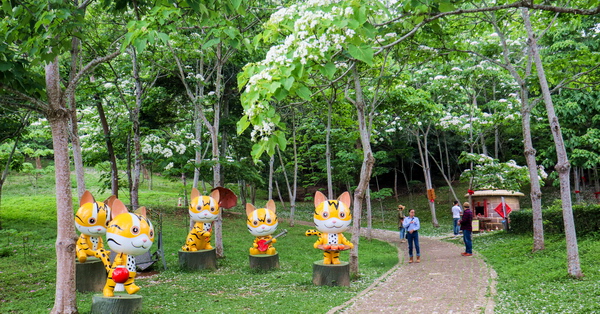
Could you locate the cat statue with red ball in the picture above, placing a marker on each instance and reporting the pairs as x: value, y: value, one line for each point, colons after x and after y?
x: 128, y: 235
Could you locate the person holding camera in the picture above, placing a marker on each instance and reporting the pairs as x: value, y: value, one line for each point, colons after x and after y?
x: 400, y: 225
x: 412, y: 225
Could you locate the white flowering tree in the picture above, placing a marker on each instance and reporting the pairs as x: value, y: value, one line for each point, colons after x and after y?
x: 489, y: 173
x: 310, y: 40
x: 171, y: 153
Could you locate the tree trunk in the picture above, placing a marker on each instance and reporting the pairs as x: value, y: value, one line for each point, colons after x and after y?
x: 536, y: 191
x: 214, y: 134
x: 529, y: 150
x: 114, y: 174
x: 424, y: 154
x: 198, y: 122
x: 578, y: 186
x: 295, y: 178
x: 365, y: 170
x: 74, y: 135
x: 562, y: 165
x: 271, y: 170
x: 328, y: 149
x: 135, y: 119
x: 58, y: 117
x: 369, y: 214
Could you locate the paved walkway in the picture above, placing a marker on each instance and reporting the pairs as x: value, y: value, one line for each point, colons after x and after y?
x: 444, y: 282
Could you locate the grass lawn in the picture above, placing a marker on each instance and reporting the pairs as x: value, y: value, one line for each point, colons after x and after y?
x: 28, y: 267
x: 538, y: 282
x: 527, y: 282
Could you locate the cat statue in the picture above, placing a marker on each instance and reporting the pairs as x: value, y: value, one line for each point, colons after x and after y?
x: 92, y: 219
x: 204, y: 210
x: 262, y: 222
x: 128, y: 235
x: 332, y: 217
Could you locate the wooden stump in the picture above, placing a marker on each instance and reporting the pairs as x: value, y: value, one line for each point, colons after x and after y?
x: 203, y: 259
x: 331, y: 274
x: 90, y: 276
x: 264, y: 261
x: 121, y: 303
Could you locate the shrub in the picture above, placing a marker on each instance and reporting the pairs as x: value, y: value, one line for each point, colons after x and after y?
x: 585, y: 216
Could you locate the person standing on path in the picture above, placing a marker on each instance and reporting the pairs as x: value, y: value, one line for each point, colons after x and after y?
x: 400, y: 225
x: 466, y: 225
x: 456, y: 213
x: 412, y: 225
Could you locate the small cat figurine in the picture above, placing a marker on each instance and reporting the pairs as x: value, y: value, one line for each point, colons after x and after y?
x: 204, y: 210
x: 128, y: 235
x: 262, y: 222
x: 332, y: 217
x: 91, y: 220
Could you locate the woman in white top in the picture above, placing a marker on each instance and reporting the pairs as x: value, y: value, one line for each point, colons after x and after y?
x: 412, y: 225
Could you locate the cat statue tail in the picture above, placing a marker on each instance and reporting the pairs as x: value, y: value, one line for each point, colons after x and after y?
x: 312, y: 232
x: 104, y: 256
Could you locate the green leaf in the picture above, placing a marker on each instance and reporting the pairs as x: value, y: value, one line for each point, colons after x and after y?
x: 281, y: 141
x: 231, y: 32
x: 446, y: 7
x: 299, y: 71
x: 274, y: 86
x: 236, y: 3
x: 280, y: 94
x: 140, y: 44
x: 288, y: 82
x: 364, y: 53
x: 211, y: 43
x: 258, y: 149
x: 5, y: 65
x: 354, y: 24
x: 163, y: 37
x: 329, y: 70
x: 242, y: 124
x: 361, y: 15
x: 304, y: 92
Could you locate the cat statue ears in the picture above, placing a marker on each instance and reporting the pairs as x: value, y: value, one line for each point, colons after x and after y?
x: 270, y: 205
x: 118, y: 207
x: 223, y: 196
x: 87, y: 197
x: 344, y: 198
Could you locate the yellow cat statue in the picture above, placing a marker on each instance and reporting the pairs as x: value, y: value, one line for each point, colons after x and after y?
x: 332, y: 217
x: 204, y: 210
x: 128, y: 235
x: 262, y: 222
x: 91, y: 219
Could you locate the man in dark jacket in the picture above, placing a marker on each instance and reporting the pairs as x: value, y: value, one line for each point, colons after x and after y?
x: 466, y: 225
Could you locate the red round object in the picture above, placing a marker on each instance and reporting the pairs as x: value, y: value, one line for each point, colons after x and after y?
x: 120, y: 274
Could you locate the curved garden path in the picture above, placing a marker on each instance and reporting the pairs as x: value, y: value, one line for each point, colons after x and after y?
x: 444, y: 282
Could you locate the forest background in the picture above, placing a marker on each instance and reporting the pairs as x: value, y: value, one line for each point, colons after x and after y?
x: 372, y: 97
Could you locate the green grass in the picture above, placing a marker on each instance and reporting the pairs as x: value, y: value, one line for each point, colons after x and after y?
x: 28, y: 267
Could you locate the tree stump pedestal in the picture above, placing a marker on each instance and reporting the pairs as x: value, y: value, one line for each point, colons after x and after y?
x: 331, y: 274
x: 121, y: 303
x: 203, y: 259
x: 90, y: 276
x: 264, y: 261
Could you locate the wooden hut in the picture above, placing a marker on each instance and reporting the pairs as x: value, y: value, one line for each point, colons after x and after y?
x: 485, y: 202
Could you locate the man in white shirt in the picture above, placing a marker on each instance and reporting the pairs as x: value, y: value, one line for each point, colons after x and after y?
x: 456, y: 213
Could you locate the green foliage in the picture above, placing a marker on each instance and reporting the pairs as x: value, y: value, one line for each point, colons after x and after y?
x: 585, y: 217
